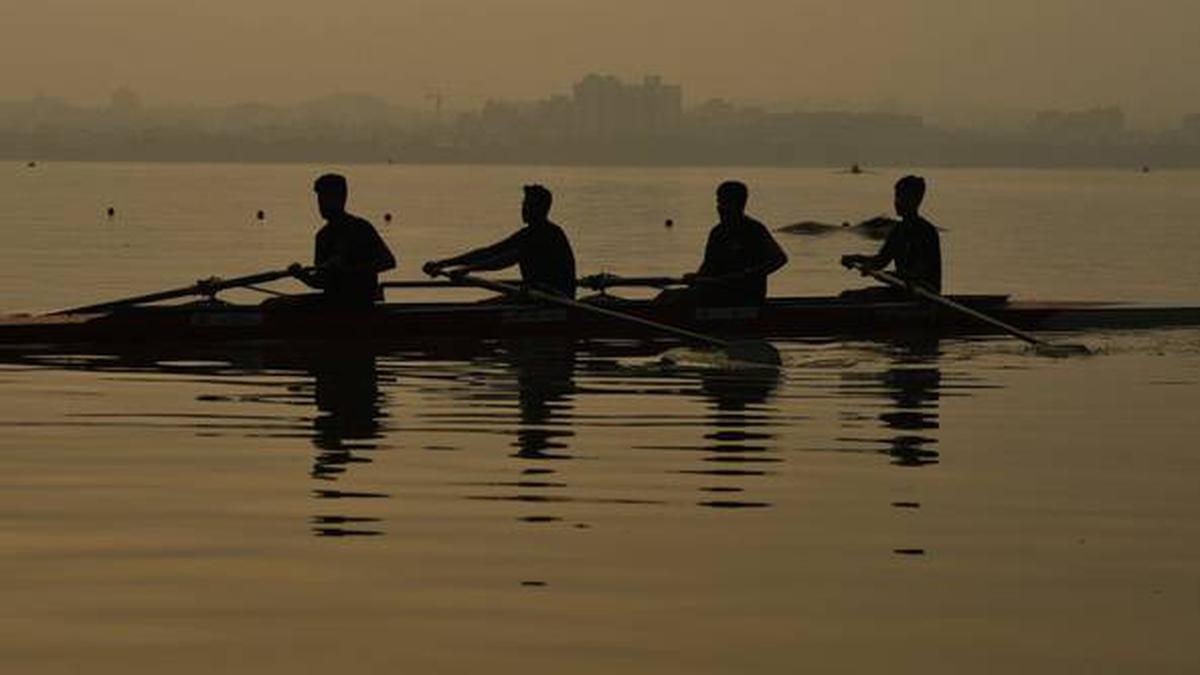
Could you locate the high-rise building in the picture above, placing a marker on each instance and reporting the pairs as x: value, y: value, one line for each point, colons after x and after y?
x: 606, y: 107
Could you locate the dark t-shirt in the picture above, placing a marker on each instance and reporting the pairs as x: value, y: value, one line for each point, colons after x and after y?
x: 730, y: 250
x: 547, y: 260
x: 916, y: 248
x: 350, y: 255
x: 543, y: 253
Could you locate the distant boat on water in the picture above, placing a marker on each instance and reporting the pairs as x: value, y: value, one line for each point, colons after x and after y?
x: 855, y: 170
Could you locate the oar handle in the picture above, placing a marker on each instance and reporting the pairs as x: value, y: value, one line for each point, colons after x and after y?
x: 518, y: 291
x: 201, y: 287
x: 921, y: 291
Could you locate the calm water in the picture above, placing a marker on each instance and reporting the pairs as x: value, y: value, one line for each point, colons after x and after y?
x: 961, y: 506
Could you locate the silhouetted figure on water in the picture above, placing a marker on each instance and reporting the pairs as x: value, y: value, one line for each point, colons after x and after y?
x: 348, y: 257
x: 738, y: 257
x: 913, y: 245
x: 541, y: 249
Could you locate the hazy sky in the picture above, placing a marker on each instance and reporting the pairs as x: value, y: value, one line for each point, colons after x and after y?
x: 931, y: 56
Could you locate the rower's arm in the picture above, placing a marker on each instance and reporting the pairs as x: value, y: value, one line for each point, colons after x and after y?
x: 382, y: 259
x: 878, y: 261
x: 773, y: 259
x: 498, y: 256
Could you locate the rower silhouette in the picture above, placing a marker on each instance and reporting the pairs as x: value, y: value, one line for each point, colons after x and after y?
x: 541, y: 249
x: 912, y: 244
x: 348, y: 257
x: 738, y: 258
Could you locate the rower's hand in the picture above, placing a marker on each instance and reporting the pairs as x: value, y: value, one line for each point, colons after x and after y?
x: 295, y: 269
x: 433, y: 268
x: 598, y: 281
x: 854, y: 261
x: 208, y: 286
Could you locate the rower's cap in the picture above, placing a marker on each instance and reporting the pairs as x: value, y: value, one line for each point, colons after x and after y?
x: 330, y: 183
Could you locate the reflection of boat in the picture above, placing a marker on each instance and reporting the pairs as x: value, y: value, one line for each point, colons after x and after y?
x: 425, y: 323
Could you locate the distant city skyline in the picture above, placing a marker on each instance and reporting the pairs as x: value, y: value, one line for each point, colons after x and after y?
x: 955, y: 61
x: 602, y: 120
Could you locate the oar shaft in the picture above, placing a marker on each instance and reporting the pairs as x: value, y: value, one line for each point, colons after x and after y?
x: 595, y: 283
x: 893, y: 280
x: 430, y: 283
x: 510, y: 289
x: 183, y: 291
x: 602, y: 281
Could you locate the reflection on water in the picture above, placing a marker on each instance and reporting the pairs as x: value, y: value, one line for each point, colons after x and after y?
x: 346, y: 429
x: 545, y: 384
x: 909, y: 382
x: 739, y: 442
x: 555, y: 410
x: 914, y: 385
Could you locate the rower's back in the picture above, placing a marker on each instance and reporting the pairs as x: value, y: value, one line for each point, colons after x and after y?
x: 349, y: 253
x: 914, y: 243
x: 547, y: 261
x: 739, y: 256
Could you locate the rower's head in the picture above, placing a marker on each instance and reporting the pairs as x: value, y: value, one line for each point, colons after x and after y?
x: 732, y: 196
x: 910, y: 190
x: 535, y: 208
x: 331, y: 195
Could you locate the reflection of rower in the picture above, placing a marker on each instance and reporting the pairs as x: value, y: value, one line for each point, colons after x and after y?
x: 914, y: 385
x: 347, y: 423
x: 348, y: 411
x: 541, y: 249
x: 545, y: 383
x: 740, y: 440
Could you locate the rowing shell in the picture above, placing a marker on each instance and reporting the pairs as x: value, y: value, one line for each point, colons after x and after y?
x: 799, y: 317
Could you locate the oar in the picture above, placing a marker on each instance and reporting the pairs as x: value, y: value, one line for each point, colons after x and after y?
x: 1046, y: 348
x: 594, y: 281
x: 751, y: 351
x: 429, y: 283
x: 602, y: 281
x: 202, y: 287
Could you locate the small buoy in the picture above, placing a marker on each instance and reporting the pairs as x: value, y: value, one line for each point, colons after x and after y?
x: 260, y: 215
x: 387, y: 217
x: 1145, y: 169
x: 32, y: 165
x: 669, y: 223
x: 111, y: 212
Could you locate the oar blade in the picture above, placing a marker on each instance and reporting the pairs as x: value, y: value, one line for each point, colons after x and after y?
x: 1061, y: 350
x: 744, y: 355
x: 757, y: 352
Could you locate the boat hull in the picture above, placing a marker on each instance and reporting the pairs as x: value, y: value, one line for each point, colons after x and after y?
x: 432, y: 322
